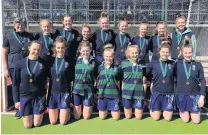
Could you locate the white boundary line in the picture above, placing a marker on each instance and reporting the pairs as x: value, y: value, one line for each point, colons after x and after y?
x: 105, y: 134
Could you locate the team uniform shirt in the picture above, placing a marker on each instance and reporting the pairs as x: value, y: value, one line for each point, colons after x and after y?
x: 177, y: 39
x: 71, y: 37
x: 29, y: 79
x: 144, y: 45
x: 154, y: 45
x: 84, y: 77
x: 162, y: 84
x: 17, y: 44
x: 100, y: 39
x: 132, y: 87
x: 196, y: 82
x: 61, y: 72
x: 121, y: 41
x: 107, y: 81
x: 47, y: 45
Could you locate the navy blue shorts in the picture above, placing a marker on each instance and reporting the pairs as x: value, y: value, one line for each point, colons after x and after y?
x: 133, y: 103
x: 31, y: 106
x: 109, y: 104
x: 162, y: 102
x: 83, y: 100
x: 59, y: 100
x: 187, y: 103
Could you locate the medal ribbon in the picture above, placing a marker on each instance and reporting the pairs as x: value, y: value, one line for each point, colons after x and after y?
x: 108, y: 73
x: 23, y: 41
x: 34, y: 68
x: 47, y: 43
x: 164, y: 70
x: 187, y: 72
x: 141, y: 44
x: 122, y: 43
x: 85, y: 68
x: 68, y: 37
x: 58, y: 69
x: 106, y: 36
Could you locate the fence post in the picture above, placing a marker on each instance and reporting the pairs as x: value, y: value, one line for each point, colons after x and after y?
x: 66, y: 6
x: 115, y: 24
x: 166, y: 10
x: 162, y: 14
x: 198, y: 12
x: 18, y: 8
x: 51, y: 12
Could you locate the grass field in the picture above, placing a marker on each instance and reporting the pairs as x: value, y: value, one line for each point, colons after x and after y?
x: 108, y: 126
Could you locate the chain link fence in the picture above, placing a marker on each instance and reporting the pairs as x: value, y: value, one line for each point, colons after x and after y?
x: 88, y: 11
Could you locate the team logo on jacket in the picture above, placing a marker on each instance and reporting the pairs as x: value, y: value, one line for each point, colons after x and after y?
x: 169, y: 66
x: 193, y: 67
x: 41, y: 66
x: 66, y: 64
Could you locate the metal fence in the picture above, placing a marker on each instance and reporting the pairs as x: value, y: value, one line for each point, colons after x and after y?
x: 88, y: 11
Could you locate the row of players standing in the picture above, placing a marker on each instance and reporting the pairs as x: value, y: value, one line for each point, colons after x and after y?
x: 16, y: 44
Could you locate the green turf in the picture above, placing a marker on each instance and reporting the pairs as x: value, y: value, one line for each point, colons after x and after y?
x: 108, y: 126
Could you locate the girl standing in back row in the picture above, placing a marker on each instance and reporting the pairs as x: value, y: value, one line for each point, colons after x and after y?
x: 102, y: 37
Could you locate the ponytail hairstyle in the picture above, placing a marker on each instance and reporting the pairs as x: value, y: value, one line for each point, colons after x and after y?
x: 122, y: 19
x: 187, y: 43
x: 84, y: 44
x: 108, y: 47
x: 164, y: 44
x: 103, y: 15
x: 136, y: 47
x: 156, y: 28
x: 59, y: 39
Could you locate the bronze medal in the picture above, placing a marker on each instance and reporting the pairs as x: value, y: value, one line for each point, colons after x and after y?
x: 187, y: 83
x: 57, y: 79
x: 163, y: 81
x: 30, y: 80
x: 135, y: 81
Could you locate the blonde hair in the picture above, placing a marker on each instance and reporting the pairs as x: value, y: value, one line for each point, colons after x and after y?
x: 84, y: 44
x: 59, y: 39
x: 187, y: 43
x: 86, y: 26
x: 122, y: 19
x: 45, y: 20
x: 131, y: 46
x: 103, y: 15
x: 108, y: 47
x: 156, y: 28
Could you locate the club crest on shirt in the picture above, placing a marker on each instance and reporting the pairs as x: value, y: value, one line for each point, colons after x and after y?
x: 66, y: 64
x: 41, y: 65
x: 193, y: 67
x: 169, y: 66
